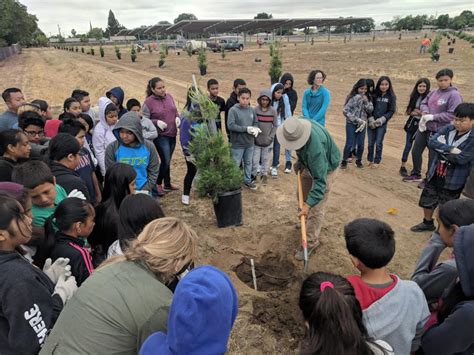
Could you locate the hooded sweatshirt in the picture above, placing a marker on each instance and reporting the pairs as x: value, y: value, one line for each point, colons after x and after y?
x: 120, y: 95
x: 202, y: 314
x: 455, y: 334
x: 431, y: 276
x: 231, y: 101
x: 315, y: 104
x: 28, y: 308
x: 267, y: 121
x: 68, y: 179
x: 103, y: 135
x: 164, y: 109
x: 290, y: 92
x: 441, y: 104
x: 239, y: 119
x: 286, y: 111
x: 398, y: 317
x: 79, y: 257
x: 141, y: 154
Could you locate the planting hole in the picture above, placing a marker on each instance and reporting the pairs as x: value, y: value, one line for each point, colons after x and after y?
x: 272, y: 272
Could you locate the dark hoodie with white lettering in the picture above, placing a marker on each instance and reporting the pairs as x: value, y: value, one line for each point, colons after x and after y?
x: 141, y: 154
x: 28, y: 308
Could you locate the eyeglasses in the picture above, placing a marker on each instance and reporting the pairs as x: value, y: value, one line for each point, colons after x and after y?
x: 34, y: 133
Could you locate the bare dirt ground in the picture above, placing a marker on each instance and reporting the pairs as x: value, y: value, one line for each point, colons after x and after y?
x: 269, y: 321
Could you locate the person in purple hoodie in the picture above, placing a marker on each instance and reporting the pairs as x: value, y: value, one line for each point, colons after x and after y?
x: 437, y: 112
x: 160, y: 108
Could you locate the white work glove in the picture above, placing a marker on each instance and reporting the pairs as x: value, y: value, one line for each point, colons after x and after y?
x: 55, y: 270
x: 360, y: 125
x: 253, y: 131
x: 77, y: 194
x: 455, y: 151
x: 380, y: 121
x: 424, y: 119
x: 178, y: 122
x: 143, y: 192
x: 65, y: 288
x: 161, y: 124
x: 371, y: 123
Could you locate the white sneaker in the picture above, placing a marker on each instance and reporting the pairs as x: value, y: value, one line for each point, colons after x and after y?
x: 185, y: 199
x: 274, y: 172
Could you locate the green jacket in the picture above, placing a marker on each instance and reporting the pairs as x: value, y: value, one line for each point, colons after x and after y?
x: 113, y: 312
x: 320, y: 156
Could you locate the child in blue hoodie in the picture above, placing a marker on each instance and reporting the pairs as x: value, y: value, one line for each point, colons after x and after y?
x: 132, y: 149
x: 201, y: 317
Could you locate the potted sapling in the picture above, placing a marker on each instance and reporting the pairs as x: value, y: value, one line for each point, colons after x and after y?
x: 219, y: 177
x: 202, y: 64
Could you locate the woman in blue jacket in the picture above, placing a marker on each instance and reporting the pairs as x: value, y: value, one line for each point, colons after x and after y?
x: 316, y: 99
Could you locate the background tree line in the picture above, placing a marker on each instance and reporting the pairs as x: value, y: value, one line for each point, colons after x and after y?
x: 463, y: 20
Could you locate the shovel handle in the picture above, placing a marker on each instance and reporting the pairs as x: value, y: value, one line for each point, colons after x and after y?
x: 304, y: 241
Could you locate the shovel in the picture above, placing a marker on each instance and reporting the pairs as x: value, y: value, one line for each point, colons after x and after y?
x: 304, y: 241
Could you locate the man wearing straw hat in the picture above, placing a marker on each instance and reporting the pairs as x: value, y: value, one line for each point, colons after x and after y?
x: 318, y: 159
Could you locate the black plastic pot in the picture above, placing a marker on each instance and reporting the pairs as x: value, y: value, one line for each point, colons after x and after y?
x: 228, y: 209
x: 451, y: 50
x: 203, y: 70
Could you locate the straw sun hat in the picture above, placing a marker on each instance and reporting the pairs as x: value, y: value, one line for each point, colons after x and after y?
x: 294, y: 133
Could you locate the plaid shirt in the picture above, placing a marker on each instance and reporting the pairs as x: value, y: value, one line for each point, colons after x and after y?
x: 459, y: 164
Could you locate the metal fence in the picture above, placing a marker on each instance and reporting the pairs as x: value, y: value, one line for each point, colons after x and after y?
x: 6, y: 52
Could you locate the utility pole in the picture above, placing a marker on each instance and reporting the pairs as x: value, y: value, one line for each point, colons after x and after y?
x: 59, y: 30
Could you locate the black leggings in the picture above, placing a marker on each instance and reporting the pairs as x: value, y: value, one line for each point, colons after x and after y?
x: 188, y: 179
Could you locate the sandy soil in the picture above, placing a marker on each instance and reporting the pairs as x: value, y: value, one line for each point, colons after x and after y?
x: 269, y: 321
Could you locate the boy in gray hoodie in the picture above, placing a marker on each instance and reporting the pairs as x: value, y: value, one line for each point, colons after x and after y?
x: 394, y: 310
x: 242, y: 125
x: 132, y: 149
x: 267, y: 122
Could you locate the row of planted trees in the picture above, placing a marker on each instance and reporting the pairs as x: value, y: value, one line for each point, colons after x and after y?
x: 274, y: 71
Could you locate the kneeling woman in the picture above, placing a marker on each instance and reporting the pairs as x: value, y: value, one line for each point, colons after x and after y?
x: 127, y: 298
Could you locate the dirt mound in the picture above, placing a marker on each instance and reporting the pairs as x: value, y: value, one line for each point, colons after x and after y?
x: 272, y: 272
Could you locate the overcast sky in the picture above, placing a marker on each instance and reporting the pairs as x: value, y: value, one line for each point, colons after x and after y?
x: 69, y: 14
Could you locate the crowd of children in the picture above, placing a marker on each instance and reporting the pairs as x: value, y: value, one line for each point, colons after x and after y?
x: 82, y: 232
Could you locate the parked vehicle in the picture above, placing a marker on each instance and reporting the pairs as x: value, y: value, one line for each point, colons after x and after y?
x: 196, y: 45
x: 230, y: 43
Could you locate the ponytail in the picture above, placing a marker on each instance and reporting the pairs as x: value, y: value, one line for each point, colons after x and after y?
x: 71, y: 210
x: 333, y: 315
x: 151, y: 85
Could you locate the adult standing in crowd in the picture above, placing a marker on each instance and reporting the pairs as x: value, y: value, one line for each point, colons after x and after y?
x: 316, y: 98
x: 13, y: 98
x: 160, y: 108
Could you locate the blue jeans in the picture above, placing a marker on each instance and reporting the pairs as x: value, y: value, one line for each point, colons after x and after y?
x: 353, y: 139
x: 165, y: 147
x: 410, y: 137
x: 376, y: 137
x: 244, y: 155
x: 276, y: 153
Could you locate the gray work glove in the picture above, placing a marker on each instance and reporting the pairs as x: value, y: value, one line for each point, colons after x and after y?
x: 361, y: 124
x: 371, y: 123
x: 65, y: 288
x: 380, y: 121
x: 55, y: 270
